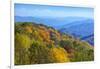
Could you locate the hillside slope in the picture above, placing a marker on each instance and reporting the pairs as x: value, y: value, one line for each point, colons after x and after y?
x: 39, y: 44
x: 80, y: 29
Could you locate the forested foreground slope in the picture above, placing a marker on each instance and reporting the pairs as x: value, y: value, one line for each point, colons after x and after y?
x: 40, y: 44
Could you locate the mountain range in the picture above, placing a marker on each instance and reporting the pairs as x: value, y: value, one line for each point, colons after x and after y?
x: 79, y: 27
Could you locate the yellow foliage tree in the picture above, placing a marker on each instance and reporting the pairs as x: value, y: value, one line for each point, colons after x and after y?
x: 58, y: 54
x: 22, y: 41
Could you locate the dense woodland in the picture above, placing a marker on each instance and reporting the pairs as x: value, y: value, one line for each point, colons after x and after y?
x: 40, y: 44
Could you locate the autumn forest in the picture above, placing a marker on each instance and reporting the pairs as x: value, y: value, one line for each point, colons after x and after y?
x: 41, y: 44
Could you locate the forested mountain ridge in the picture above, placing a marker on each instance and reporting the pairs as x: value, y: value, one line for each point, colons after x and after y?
x: 79, y: 27
x: 39, y: 44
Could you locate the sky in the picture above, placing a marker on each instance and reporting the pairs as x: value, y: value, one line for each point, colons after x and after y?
x: 47, y: 11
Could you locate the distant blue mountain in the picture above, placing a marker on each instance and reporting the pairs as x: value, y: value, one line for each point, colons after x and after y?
x: 54, y: 22
x: 89, y: 39
x: 23, y: 19
x: 76, y: 26
x: 80, y: 29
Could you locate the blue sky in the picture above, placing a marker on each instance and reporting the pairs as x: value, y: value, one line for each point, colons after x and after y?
x: 32, y: 10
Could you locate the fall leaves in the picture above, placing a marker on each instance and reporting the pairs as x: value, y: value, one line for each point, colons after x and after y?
x: 39, y: 44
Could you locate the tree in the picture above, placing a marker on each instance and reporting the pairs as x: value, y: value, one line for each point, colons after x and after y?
x: 22, y: 43
x: 39, y: 53
x: 58, y: 54
x: 67, y: 45
x: 83, y: 52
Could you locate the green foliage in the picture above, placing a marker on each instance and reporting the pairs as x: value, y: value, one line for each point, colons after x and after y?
x: 22, y: 43
x: 39, y: 53
x: 84, y: 55
x: 83, y: 52
x: 67, y: 45
x: 21, y: 56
